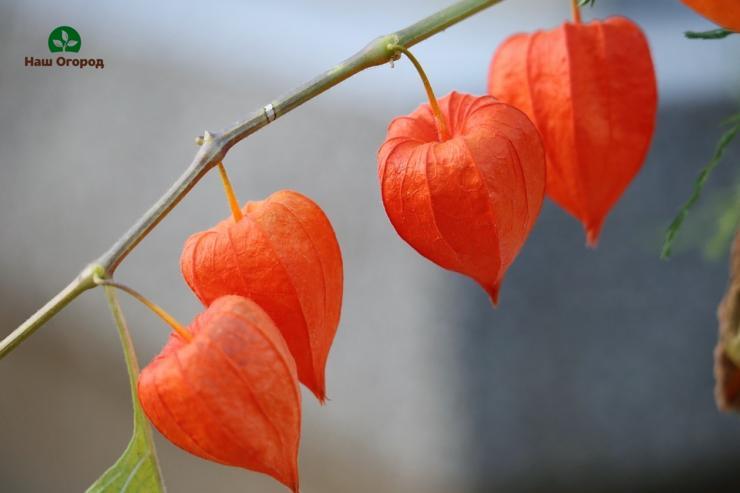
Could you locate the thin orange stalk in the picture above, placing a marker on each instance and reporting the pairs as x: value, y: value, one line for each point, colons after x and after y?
x: 168, y: 319
x: 441, y: 124
x: 236, y: 211
x: 576, y: 11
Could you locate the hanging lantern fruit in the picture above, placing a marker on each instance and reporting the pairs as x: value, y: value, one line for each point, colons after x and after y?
x: 230, y: 393
x: 283, y: 254
x: 725, y: 13
x: 465, y: 186
x: 590, y: 89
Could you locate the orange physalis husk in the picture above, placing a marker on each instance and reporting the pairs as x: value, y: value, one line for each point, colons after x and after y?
x: 590, y: 89
x: 466, y: 203
x: 725, y: 13
x: 231, y: 394
x: 284, y: 255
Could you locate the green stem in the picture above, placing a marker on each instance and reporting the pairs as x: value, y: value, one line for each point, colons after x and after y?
x: 213, y: 148
x: 132, y: 365
x: 719, y: 150
x: 79, y: 285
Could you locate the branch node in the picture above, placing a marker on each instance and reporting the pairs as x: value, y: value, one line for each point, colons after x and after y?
x: 92, y: 273
x: 202, y: 139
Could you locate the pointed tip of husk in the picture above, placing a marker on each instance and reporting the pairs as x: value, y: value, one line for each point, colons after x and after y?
x: 322, y: 399
x: 592, y: 241
x: 294, y: 483
x: 493, y: 292
x: 593, y: 231
x: 288, y: 477
x: 317, y: 388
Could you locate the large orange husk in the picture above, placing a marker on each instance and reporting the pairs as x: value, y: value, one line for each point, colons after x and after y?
x: 283, y: 254
x: 725, y: 13
x: 590, y: 89
x: 467, y: 203
x: 231, y: 394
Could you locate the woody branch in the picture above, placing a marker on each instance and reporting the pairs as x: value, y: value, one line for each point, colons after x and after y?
x: 214, y: 146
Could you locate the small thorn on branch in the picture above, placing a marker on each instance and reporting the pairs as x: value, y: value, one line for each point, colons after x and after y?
x: 202, y: 139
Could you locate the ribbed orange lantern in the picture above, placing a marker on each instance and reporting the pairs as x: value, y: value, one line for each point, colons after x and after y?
x: 590, y: 89
x: 231, y: 393
x: 725, y: 13
x: 284, y: 255
x: 466, y: 200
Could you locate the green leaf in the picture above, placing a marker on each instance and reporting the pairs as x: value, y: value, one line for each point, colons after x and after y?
x: 726, y: 224
x: 713, y: 34
x: 137, y: 470
x: 732, y: 120
x: 701, y: 180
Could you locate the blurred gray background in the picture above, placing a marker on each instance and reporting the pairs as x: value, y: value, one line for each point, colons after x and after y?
x: 594, y: 374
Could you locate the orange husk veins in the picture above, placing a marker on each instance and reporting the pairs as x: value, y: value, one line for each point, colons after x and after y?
x: 230, y: 395
x: 283, y: 254
x: 725, y: 13
x: 590, y: 89
x: 468, y: 203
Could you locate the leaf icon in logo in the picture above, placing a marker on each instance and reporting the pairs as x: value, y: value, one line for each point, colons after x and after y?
x: 64, y: 38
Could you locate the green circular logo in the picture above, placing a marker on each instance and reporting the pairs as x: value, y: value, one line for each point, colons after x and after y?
x: 66, y: 39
